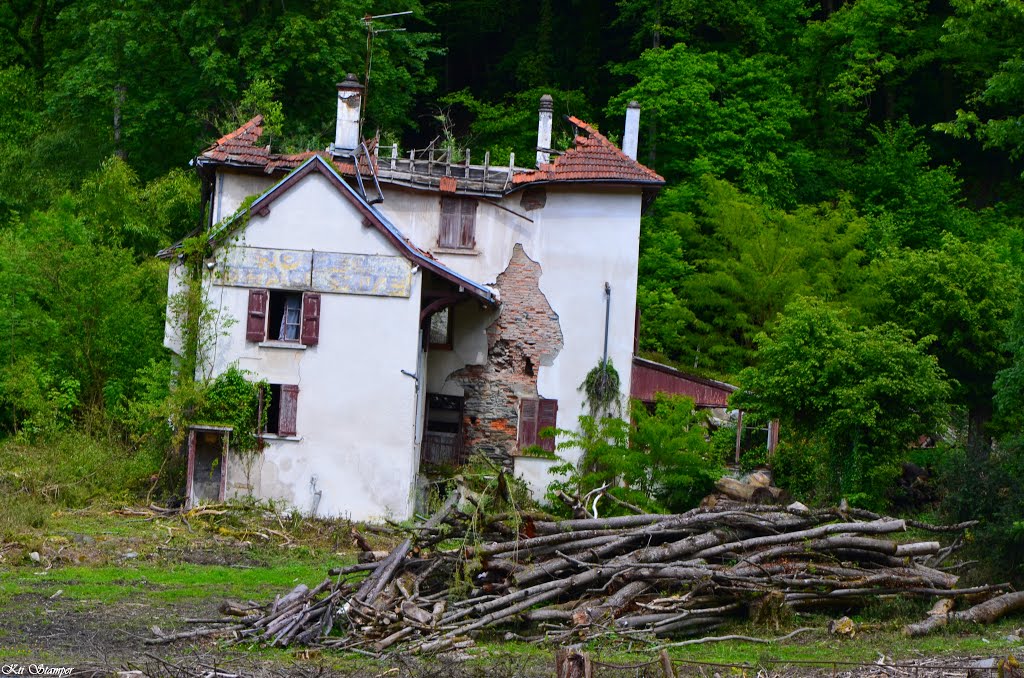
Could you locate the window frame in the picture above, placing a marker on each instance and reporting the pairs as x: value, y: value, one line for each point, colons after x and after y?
x: 285, y: 406
x: 266, y: 304
x: 535, y: 415
x: 457, y: 225
x: 447, y: 344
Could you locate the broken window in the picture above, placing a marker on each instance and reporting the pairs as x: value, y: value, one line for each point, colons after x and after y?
x: 285, y: 316
x: 535, y: 415
x: 279, y: 404
x: 458, y: 223
x: 280, y: 315
x: 441, y: 329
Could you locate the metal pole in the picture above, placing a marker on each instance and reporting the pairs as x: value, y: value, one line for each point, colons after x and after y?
x: 607, y: 315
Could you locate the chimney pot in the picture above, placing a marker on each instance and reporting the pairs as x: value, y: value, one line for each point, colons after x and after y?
x: 350, y: 105
x: 631, y: 134
x: 547, y: 105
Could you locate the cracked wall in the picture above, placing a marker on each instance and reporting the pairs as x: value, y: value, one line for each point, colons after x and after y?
x: 523, y: 339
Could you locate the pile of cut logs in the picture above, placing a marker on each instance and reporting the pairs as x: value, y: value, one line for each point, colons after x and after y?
x: 649, y: 575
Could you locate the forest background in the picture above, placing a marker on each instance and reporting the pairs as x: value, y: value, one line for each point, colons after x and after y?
x: 842, y: 231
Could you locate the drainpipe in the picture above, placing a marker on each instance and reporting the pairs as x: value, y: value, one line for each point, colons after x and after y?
x: 607, y: 317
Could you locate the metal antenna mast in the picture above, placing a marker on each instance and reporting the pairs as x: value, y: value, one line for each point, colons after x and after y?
x: 370, y: 32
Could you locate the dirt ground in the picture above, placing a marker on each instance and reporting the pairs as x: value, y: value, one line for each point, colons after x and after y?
x: 105, y: 640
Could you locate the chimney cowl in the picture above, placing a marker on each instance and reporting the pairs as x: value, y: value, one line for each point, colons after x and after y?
x: 351, y: 82
x: 547, y: 103
x: 350, y: 106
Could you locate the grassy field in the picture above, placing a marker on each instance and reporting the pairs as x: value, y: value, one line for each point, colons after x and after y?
x: 88, y: 585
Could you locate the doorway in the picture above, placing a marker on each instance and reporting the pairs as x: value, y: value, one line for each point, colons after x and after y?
x: 206, y: 477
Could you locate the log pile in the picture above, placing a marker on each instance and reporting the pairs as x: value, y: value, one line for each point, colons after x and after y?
x: 638, y: 575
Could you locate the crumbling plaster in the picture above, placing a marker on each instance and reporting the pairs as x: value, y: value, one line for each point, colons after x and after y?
x: 581, y: 237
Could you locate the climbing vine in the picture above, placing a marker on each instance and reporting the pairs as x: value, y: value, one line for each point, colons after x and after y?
x: 234, y: 399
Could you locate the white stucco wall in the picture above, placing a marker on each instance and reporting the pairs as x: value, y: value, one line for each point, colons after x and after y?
x: 357, y: 413
x: 231, y: 188
x: 584, y: 236
x: 356, y: 410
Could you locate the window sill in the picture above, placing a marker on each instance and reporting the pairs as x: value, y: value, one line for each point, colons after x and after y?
x: 273, y: 437
x: 293, y: 345
x: 457, y: 250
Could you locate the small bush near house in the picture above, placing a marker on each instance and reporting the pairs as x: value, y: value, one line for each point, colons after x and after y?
x: 662, y: 462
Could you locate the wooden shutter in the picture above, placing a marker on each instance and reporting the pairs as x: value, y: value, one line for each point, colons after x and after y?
x: 547, y: 414
x: 310, y: 319
x: 527, y: 422
x: 256, y: 323
x: 451, y: 220
x: 467, y: 232
x: 288, y: 409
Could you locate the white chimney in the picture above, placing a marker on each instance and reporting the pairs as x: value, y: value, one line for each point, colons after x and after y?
x: 350, y: 105
x: 544, y: 129
x: 632, y: 132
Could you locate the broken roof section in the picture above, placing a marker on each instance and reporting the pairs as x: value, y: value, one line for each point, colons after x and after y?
x: 241, y: 148
x: 593, y: 159
x: 371, y: 217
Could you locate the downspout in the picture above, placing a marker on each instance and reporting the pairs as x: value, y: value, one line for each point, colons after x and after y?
x: 607, y: 317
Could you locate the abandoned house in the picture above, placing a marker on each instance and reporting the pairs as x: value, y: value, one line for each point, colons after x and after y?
x: 408, y: 309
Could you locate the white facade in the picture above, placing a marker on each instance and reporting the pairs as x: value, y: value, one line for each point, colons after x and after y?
x: 363, y: 387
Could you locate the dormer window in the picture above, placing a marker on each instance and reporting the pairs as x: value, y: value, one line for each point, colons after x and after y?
x: 458, y: 223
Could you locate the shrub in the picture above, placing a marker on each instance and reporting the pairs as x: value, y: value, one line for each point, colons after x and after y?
x: 72, y: 469
x: 662, y: 462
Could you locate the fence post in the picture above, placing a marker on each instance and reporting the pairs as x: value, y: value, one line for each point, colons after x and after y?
x: 571, y: 663
x: 666, y: 665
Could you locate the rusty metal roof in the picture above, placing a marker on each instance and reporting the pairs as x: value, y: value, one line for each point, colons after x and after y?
x: 592, y: 159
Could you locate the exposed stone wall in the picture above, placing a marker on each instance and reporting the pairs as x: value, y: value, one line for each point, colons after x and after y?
x: 524, y: 338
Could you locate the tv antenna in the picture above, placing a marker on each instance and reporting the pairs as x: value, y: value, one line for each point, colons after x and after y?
x: 371, y: 31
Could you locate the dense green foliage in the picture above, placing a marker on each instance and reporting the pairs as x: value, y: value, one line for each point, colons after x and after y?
x: 661, y: 461
x: 864, y: 393
x: 860, y: 159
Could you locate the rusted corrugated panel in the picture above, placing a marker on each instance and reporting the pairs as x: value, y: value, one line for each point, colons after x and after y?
x: 649, y: 378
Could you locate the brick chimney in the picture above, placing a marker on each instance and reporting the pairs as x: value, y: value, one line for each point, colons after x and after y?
x: 631, y: 134
x: 547, y: 105
x: 350, y: 106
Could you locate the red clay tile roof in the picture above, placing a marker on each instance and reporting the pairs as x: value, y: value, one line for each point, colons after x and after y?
x: 593, y: 159
x: 239, y: 148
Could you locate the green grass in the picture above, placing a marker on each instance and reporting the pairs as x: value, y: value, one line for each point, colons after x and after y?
x: 167, y: 583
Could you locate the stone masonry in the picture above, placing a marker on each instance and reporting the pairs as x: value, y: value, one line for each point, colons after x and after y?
x: 524, y: 338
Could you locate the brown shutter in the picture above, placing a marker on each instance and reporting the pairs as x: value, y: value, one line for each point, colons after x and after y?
x: 256, y: 324
x: 289, y: 407
x: 547, y: 414
x: 310, y: 319
x: 467, y: 235
x: 448, y: 235
x: 527, y: 422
